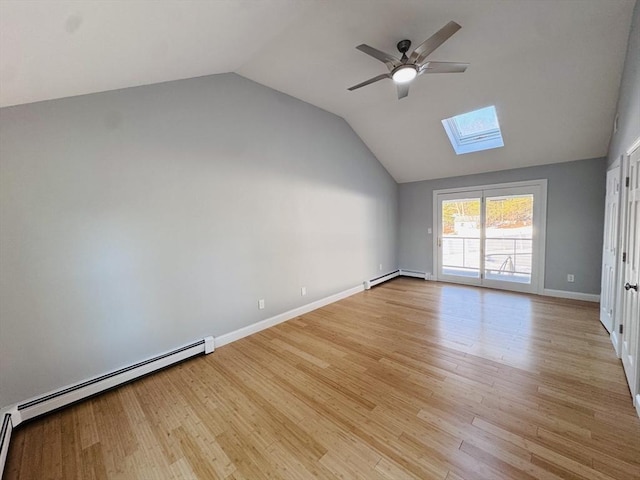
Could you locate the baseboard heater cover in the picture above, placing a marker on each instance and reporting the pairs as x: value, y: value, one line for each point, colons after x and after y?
x: 382, y: 278
x: 5, y: 436
x: 415, y: 274
x: 73, y: 393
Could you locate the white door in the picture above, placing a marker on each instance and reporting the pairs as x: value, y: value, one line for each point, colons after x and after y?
x: 492, y: 236
x: 610, y: 249
x: 630, y: 348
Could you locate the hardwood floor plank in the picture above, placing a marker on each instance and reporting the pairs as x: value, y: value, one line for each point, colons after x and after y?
x: 52, y: 462
x: 93, y: 465
x: 514, y: 467
x: 31, y: 461
x: 13, y: 463
x: 409, y: 380
x: 71, y: 444
x: 541, y: 451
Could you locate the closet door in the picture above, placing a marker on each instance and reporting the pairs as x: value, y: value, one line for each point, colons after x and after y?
x: 631, y: 295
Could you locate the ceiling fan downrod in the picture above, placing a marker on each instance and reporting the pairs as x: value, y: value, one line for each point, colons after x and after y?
x: 403, y: 47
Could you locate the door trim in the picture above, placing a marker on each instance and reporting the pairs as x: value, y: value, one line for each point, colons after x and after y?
x: 634, y: 146
x: 633, y: 378
x: 542, y: 234
x: 625, y: 158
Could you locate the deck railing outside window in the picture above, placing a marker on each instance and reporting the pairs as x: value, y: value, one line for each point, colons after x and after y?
x: 504, y: 257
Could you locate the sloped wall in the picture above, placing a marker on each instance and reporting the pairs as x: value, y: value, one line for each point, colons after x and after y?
x: 628, y: 110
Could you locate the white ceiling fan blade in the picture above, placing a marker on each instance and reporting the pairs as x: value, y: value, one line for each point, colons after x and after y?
x: 403, y: 89
x: 370, y: 81
x: 385, y: 58
x: 443, y: 67
x: 428, y: 46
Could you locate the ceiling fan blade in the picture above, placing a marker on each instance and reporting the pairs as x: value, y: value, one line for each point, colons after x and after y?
x: 434, y: 41
x: 370, y: 81
x: 389, y: 60
x: 403, y: 90
x: 443, y: 67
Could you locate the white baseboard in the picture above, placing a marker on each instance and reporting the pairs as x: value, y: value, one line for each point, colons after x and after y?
x: 587, y: 297
x: 5, y: 437
x: 637, y: 402
x: 283, y: 317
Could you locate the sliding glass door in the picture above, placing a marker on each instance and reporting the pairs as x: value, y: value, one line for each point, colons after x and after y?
x: 491, y: 236
x: 459, y: 240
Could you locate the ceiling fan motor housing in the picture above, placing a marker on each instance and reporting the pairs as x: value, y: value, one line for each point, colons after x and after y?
x: 403, y: 46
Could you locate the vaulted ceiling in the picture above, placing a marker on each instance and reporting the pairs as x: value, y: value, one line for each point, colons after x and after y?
x: 552, y: 68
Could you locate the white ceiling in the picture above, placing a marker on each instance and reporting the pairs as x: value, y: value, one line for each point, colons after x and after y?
x: 552, y: 68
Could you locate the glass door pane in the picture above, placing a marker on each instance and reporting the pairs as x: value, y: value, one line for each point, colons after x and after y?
x: 461, y: 225
x: 508, y: 242
x: 492, y: 236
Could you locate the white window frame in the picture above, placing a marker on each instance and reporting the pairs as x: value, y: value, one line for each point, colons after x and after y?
x: 476, y: 142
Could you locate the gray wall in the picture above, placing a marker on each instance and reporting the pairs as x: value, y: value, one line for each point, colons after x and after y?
x: 629, y: 96
x: 138, y: 220
x: 575, y: 218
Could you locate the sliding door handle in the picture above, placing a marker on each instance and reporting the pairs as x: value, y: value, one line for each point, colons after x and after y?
x: 628, y: 286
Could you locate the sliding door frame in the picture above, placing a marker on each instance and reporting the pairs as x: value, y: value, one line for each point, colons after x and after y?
x: 539, y: 234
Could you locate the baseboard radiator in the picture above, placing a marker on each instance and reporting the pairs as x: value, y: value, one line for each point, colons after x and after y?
x: 382, y: 278
x: 397, y: 273
x: 74, y: 393
x: 415, y: 274
x: 5, y: 436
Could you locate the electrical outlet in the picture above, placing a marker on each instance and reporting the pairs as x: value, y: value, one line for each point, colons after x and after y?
x: 380, y: 267
x: 261, y: 304
x: 303, y: 291
x: 429, y: 231
x: 570, y: 278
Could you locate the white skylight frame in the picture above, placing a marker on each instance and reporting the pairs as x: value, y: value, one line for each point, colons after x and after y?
x: 476, y: 141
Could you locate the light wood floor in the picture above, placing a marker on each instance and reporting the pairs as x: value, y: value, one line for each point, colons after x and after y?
x: 412, y: 379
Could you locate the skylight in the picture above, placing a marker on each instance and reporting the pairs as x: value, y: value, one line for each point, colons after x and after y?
x: 474, y: 131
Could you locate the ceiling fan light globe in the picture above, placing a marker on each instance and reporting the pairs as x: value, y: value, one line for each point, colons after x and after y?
x: 404, y: 74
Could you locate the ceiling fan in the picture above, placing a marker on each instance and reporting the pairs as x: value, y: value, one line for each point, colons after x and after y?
x: 403, y: 70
